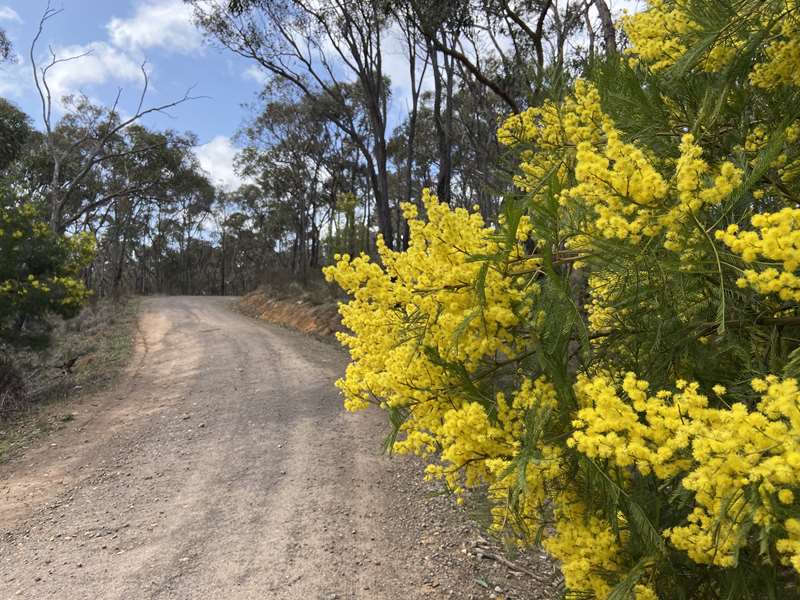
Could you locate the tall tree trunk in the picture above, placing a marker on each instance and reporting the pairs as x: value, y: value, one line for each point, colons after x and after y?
x: 441, y: 92
x: 120, y: 266
x: 382, y: 198
x: 412, y: 133
x: 314, y: 258
x: 55, y: 202
x: 446, y: 171
x: 607, y: 24
x: 222, y: 266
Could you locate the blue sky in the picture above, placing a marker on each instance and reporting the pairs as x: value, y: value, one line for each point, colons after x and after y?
x: 120, y: 34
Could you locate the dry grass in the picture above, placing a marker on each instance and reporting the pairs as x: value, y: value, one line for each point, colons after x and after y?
x: 12, y: 387
x: 83, y: 355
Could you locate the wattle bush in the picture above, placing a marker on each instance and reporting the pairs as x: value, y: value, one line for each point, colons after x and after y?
x: 39, y: 269
x: 615, y: 362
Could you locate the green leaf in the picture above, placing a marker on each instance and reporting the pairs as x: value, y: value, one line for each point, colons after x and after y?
x: 792, y: 366
x: 397, y: 416
x: 624, y: 589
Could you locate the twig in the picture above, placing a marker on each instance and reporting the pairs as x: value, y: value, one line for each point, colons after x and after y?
x: 511, y: 565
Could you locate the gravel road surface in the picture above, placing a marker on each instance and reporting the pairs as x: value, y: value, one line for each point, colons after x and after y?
x: 223, y: 466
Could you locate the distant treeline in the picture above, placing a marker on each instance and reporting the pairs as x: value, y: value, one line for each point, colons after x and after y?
x: 327, y: 165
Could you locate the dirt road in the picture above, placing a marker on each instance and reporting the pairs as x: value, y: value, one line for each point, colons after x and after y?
x: 223, y: 466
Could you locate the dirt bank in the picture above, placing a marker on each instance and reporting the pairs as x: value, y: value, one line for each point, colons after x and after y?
x: 302, y: 314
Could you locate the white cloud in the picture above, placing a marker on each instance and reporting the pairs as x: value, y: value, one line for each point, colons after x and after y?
x: 255, y: 74
x: 216, y: 158
x: 165, y: 24
x: 13, y: 80
x: 101, y: 63
x: 9, y: 14
x: 395, y: 65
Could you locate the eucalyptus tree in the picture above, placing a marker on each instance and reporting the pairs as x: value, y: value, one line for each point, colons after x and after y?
x: 303, y: 164
x: 15, y: 131
x: 75, y: 159
x: 142, y: 184
x: 514, y: 48
x: 318, y: 49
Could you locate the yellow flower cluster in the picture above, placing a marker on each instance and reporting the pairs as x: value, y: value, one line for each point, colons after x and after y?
x: 532, y: 403
x: 691, y: 173
x: 787, y: 162
x: 657, y: 34
x: 421, y: 310
x: 548, y: 135
x: 478, y: 450
x: 663, y: 33
x: 776, y: 240
x: 27, y: 243
x: 421, y: 326
x: 790, y: 545
x: 782, y: 64
x: 601, y: 314
x: 587, y: 549
x: 739, y: 463
x: 618, y: 184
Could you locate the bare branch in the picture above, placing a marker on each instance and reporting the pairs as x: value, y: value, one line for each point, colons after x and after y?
x: 462, y: 58
x: 535, y: 36
x: 144, y: 87
x: 59, y: 192
x: 48, y: 14
x: 96, y: 155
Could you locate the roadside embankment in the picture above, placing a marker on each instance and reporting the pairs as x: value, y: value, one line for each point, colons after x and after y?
x: 301, y: 313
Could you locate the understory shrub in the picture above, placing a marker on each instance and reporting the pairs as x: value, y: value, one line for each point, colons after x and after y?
x: 615, y: 362
x: 39, y: 269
